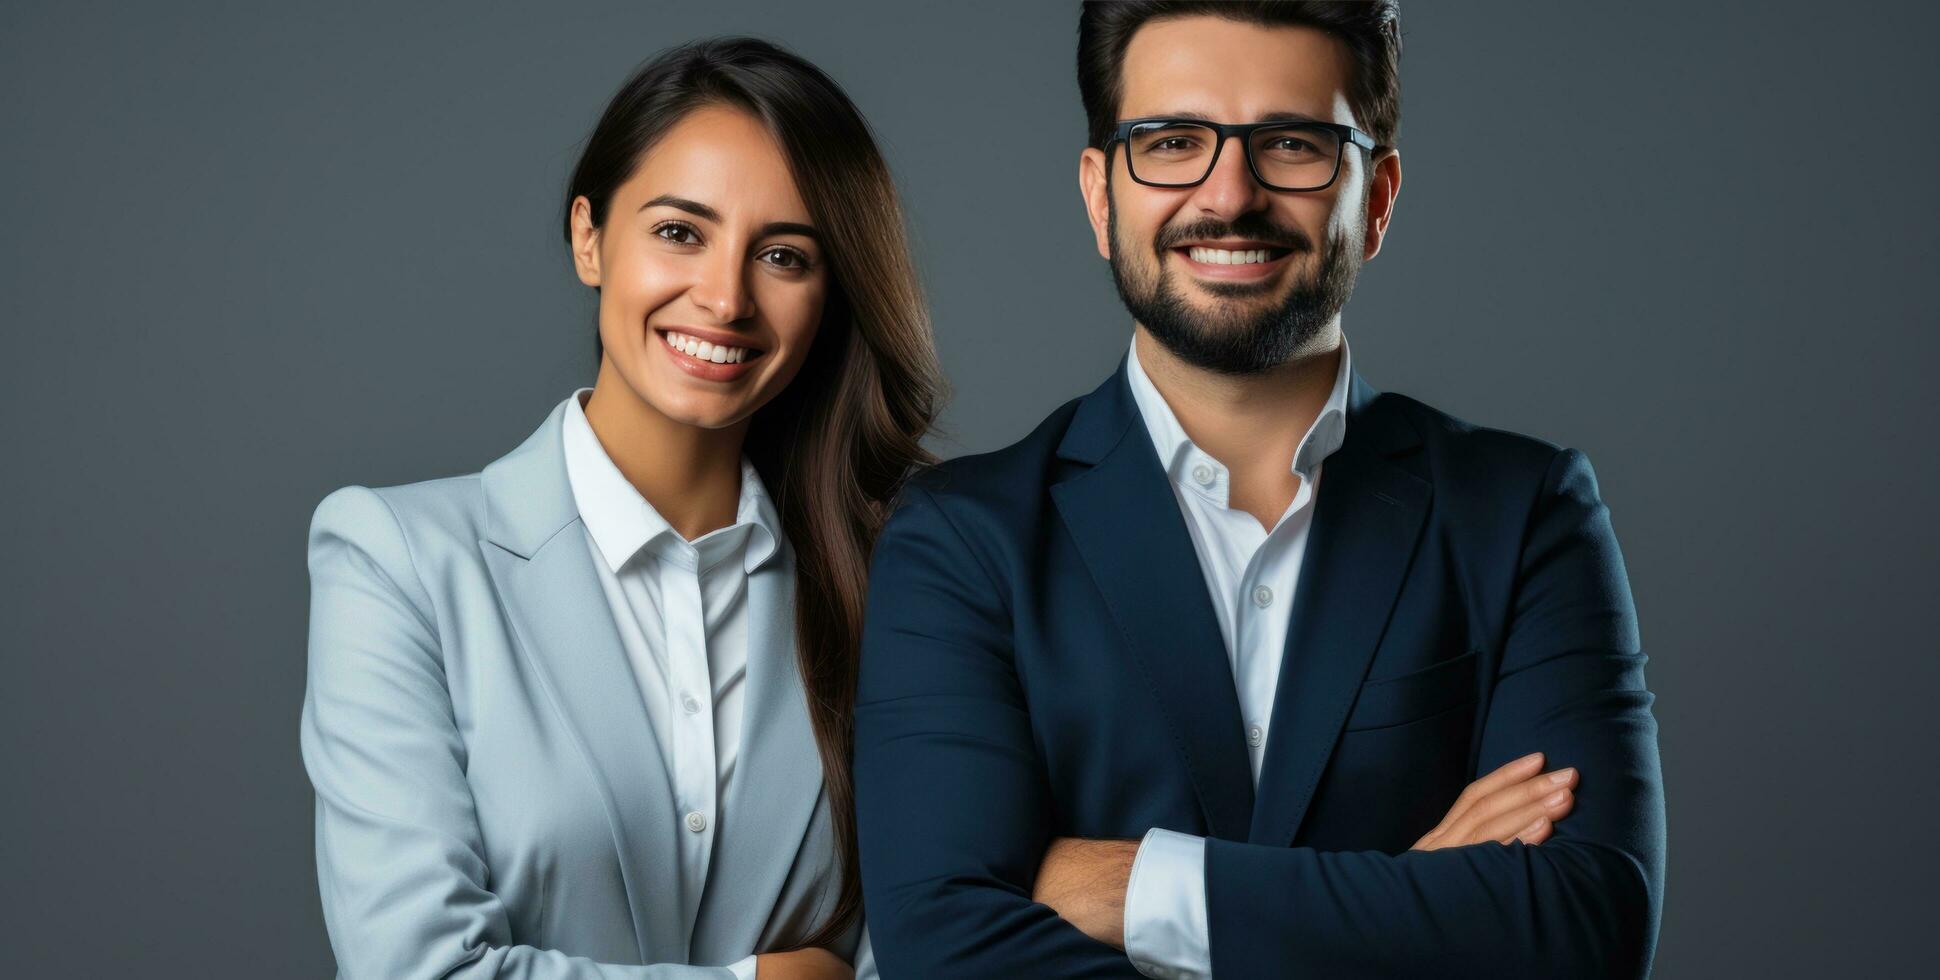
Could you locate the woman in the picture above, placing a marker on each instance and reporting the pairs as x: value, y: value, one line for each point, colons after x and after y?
x: 586, y: 713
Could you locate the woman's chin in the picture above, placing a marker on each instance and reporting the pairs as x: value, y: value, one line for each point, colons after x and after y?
x: 686, y: 400
x: 703, y: 413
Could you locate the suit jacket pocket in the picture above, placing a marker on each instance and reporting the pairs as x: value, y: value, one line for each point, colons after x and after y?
x: 1416, y: 695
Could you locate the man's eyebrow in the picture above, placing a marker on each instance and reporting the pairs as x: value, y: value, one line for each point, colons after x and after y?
x: 1267, y: 117
x: 1290, y: 117
x: 702, y: 210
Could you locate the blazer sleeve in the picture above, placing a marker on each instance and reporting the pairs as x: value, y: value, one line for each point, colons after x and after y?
x: 952, y: 808
x: 864, y: 959
x: 400, y: 863
x: 1586, y: 902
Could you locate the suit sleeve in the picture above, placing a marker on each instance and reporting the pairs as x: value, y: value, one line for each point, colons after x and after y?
x: 400, y: 862
x: 1586, y: 902
x: 951, y: 803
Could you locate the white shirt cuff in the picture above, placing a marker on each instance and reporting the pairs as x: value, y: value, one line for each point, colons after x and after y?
x: 743, y: 969
x: 1166, y: 935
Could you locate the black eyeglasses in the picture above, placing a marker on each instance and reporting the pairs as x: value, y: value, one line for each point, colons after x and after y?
x: 1163, y: 151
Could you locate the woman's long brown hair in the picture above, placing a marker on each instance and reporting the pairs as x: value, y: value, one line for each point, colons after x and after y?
x: 835, y: 446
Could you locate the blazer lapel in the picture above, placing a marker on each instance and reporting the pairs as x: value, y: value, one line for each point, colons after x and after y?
x: 1367, y: 522
x: 777, y: 781
x: 542, y: 566
x: 1127, y: 525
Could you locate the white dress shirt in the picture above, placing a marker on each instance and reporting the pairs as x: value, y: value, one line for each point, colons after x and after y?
x: 1251, y: 573
x: 682, y: 611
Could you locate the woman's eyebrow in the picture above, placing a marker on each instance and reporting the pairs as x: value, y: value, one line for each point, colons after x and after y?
x: 791, y: 228
x: 703, y: 211
x: 691, y: 207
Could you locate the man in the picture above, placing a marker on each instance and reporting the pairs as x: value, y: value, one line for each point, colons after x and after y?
x: 1176, y: 684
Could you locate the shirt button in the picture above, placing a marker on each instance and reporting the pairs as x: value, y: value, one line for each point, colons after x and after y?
x: 689, y: 703
x: 1255, y: 735
x: 1263, y: 597
x: 1203, y: 475
x: 696, y: 822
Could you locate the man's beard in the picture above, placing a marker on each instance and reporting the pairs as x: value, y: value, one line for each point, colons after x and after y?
x: 1231, y: 338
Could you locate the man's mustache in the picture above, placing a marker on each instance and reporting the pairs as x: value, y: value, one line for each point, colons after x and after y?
x: 1250, y: 227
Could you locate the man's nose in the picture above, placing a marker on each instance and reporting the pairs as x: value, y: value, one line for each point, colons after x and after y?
x: 1230, y: 190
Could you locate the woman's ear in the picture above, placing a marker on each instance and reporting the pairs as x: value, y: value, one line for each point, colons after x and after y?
x: 586, y: 242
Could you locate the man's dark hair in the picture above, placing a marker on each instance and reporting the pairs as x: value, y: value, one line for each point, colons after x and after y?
x: 1371, y: 29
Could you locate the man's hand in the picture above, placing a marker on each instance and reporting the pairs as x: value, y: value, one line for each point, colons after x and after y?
x: 1516, y: 802
x: 812, y: 963
x: 1084, y: 882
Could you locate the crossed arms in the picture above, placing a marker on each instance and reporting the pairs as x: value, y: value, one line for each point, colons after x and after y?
x: 955, y: 818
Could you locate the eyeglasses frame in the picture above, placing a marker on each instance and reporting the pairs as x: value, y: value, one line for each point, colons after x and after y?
x: 1122, y: 133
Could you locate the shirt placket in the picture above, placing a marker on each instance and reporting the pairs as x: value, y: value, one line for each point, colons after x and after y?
x: 1255, y: 600
x: 692, y: 710
x: 1260, y: 600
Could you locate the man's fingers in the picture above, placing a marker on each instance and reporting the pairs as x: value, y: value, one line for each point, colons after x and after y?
x: 1516, y: 801
x: 1507, y: 827
x: 1537, y: 831
x: 1464, y: 829
x: 1507, y: 774
x: 1531, y: 823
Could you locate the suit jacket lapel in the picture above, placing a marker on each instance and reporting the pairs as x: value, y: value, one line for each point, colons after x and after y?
x: 777, y: 781
x: 542, y: 566
x: 1367, y: 522
x: 1127, y: 525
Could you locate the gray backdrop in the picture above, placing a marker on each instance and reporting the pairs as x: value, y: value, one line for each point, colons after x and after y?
x: 256, y: 252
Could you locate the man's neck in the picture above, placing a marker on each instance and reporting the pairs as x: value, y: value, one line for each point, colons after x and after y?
x: 1251, y: 423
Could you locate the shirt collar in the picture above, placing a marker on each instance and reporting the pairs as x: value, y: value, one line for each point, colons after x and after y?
x: 622, y: 523
x: 1194, y: 468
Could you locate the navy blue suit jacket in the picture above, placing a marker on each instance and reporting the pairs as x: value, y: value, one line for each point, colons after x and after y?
x: 1041, y: 659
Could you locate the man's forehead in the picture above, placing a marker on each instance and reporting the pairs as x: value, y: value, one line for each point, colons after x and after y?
x: 1233, y: 71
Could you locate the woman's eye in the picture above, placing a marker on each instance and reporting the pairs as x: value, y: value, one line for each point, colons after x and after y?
x: 678, y: 233
x: 786, y: 258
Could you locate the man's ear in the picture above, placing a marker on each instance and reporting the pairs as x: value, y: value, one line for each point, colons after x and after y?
x: 1092, y: 184
x: 586, y: 243
x: 1384, y: 185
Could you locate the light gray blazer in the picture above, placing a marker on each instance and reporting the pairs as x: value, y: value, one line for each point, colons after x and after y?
x: 490, y: 801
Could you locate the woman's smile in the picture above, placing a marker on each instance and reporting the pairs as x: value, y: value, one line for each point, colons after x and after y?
x: 709, y: 356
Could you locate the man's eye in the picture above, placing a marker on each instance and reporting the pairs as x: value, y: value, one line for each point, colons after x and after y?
x: 678, y: 233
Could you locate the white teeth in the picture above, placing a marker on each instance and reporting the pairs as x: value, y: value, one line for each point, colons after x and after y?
x: 1221, y: 256
x: 705, y: 351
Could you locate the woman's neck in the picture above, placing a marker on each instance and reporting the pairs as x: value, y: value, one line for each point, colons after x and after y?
x: 691, y: 475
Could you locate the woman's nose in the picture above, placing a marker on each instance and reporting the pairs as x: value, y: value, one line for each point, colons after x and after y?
x: 723, y: 290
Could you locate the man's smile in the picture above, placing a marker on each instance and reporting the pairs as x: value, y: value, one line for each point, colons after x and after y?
x: 1232, y: 259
